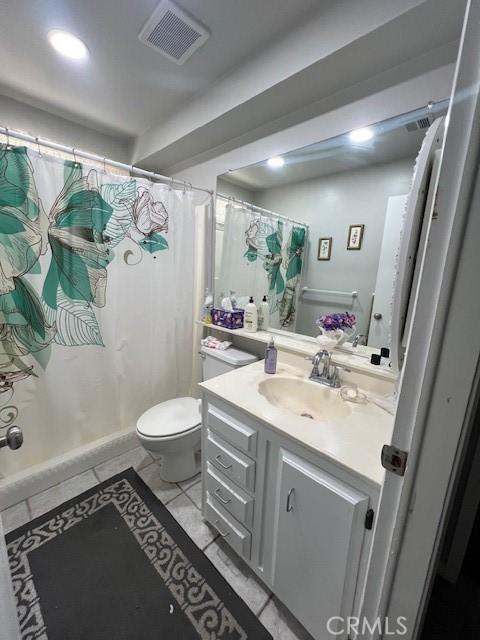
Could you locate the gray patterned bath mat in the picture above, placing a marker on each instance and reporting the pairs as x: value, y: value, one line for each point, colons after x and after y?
x: 113, y: 564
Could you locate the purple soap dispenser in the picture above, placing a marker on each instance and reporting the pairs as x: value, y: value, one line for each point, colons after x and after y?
x: 271, y: 357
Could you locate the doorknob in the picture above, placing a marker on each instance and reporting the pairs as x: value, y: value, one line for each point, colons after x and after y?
x: 12, y: 439
x: 377, y: 316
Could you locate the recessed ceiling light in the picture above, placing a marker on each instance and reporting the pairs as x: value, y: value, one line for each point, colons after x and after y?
x: 276, y: 162
x: 68, y: 45
x: 361, y: 135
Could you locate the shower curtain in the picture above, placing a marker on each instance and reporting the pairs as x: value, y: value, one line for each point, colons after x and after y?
x: 263, y: 255
x: 96, y: 300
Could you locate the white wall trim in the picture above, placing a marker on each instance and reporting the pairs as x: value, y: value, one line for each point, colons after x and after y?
x: 24, y: 484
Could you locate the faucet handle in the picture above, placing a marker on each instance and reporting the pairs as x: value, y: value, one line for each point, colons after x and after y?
x: 319, y: 355
x: 335, y: 378
x: 359, y: 339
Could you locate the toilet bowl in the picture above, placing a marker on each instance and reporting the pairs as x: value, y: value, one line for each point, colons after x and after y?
x: 172, y: 428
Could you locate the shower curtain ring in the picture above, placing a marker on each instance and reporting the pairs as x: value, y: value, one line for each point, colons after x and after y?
x: 104, y: 165
x: 38, y: 146
x: 8, y: 137
x: 74, y: 156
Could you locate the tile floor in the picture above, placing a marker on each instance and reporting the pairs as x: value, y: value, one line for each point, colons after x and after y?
x: 183, y: 500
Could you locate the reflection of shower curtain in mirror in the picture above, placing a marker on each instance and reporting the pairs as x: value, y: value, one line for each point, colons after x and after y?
x: 96, y: 299
x: 263, y: 255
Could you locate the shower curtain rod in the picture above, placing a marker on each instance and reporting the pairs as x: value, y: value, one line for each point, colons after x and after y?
x: 20, y: 135
x: 254, y: 207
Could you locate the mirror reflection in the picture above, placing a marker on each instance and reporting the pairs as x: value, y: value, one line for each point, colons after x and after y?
x: 315, y: 233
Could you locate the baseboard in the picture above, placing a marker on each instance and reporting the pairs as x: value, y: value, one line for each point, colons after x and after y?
x: 24, y: 484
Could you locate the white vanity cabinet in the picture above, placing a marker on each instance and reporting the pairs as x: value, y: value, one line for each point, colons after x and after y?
x: 302, y: 523
x: 317, y: 541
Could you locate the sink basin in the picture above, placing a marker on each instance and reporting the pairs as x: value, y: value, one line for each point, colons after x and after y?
x: 303, y: 398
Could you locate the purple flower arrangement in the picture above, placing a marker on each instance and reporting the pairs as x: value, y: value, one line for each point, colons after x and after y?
x: 334, y: 321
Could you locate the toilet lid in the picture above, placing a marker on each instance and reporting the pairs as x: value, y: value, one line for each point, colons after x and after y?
x: 170, y: 417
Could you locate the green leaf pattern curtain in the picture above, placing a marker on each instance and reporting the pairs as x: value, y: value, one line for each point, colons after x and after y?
x: 263, y: 255
x: 96, y: 294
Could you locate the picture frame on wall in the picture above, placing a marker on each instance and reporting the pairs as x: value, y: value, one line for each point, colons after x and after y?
x: 355, y: 237
x: 324, y: 248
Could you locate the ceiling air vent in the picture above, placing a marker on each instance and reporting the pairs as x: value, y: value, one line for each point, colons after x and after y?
x: 421, y: 123
x: 173, y: 33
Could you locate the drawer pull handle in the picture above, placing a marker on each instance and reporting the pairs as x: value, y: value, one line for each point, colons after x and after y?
x: 224, y: 535
x: 218, y: 458
x: 290, y: 494
x: 221, y: 498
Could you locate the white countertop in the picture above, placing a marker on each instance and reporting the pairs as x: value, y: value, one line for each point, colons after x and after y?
x: 354, y: 441
x: 307, y: 347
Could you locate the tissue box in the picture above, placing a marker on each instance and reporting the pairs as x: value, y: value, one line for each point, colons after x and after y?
x: 228, y: 319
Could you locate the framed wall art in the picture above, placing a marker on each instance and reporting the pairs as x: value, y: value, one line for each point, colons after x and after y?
x: 355, y: 237
x: 324, y: 248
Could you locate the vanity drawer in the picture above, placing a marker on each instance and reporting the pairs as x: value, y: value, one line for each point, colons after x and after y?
x: 231, y: 497
x: 233, y: 430
x: 232, y: 463
x: 232, y: 531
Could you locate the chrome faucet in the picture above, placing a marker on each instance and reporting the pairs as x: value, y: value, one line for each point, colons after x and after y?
x: 359, y: 339
x: 329, y: 374
x: 316, y: 362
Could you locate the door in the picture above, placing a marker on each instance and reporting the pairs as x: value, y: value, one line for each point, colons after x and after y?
x: 9, y: 630
x: 441, y: 368
x: 318, y: 537
x: 379, y: 328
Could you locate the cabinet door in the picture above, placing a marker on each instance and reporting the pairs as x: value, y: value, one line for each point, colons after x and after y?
x: 318, y: 537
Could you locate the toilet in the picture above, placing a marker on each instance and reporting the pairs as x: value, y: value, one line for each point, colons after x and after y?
x: 172, y: 428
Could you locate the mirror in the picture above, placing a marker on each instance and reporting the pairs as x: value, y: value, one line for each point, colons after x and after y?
x: 317, y: 230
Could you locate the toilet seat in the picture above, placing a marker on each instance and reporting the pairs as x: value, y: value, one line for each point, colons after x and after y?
x: 170, y: 418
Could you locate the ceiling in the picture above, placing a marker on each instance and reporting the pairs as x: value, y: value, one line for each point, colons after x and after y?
x: 268, y: 65
x: 391, y: 141
x: 341, y: 54
x: 126, y: 87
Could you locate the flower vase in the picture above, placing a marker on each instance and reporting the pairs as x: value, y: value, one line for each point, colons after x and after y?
x: 346, y: 335
x: 329, y: 339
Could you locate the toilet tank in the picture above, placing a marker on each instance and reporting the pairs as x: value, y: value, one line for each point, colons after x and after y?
x: 215, y: 361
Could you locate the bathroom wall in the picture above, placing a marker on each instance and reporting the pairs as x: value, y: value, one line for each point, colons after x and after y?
x: 21, y: 116
x: 229, y: 189
x: 329, y: 205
